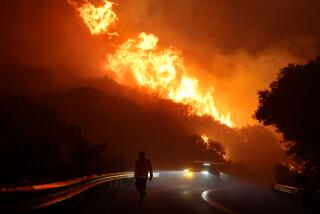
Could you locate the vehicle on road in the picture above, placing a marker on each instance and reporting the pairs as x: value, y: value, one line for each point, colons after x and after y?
x: 203, y: 167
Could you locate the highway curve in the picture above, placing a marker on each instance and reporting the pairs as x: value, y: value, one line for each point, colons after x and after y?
x: 172, y: 192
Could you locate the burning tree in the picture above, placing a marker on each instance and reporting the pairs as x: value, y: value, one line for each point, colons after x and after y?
x: 291, y: 105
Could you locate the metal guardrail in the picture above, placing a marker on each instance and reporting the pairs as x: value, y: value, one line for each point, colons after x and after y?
x: 59, y: 184
x: 38, y: 196
x: 291, y: 190
x: 287, y: 189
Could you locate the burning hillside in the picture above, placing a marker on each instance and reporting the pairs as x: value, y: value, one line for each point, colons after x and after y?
x: 160, y: 72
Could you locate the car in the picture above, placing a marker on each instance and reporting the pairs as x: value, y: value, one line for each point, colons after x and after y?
x: 203, y: 167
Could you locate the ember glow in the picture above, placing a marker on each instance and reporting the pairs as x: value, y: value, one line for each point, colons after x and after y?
x: 162, y: 72
x: 226, y: 157
x: 99, y: 20
x: 205, y: 140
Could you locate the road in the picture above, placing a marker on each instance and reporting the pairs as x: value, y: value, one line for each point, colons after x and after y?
x: 172, y: 192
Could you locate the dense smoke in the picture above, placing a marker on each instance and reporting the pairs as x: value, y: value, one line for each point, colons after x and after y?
x: 48, y: 34
x: 237, y: 46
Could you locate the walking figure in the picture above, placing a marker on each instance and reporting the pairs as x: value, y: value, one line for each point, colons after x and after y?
x: 141, y: 169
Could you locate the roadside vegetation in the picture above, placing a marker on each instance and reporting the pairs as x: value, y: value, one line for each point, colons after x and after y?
x: 291, y: 105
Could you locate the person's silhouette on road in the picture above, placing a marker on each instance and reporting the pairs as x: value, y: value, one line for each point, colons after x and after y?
x: 141, y: 169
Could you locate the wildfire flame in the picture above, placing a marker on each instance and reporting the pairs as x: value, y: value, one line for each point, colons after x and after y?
x: 162, y: 72
x: 99, y: 20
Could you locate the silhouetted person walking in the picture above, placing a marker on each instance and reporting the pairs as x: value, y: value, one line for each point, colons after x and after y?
x: 141, y: 169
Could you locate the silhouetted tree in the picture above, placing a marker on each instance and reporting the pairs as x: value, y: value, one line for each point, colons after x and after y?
x: 209, y: 151
x: 292, y: 106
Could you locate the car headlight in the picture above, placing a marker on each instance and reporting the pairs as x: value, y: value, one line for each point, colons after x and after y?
x: 188, y: 173
x: 205, y: 172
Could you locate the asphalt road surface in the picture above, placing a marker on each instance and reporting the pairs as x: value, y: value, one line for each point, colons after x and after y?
x: 172, y: 192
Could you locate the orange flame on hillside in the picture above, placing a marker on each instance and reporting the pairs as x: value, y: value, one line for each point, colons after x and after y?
x: 99, y: 20
x: 162, y: 72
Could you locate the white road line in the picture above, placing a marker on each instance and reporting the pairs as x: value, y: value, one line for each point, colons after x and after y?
x: 206, y: 197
